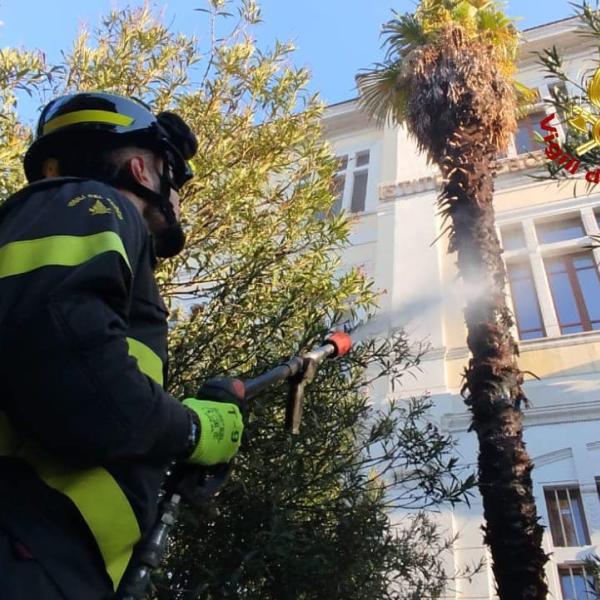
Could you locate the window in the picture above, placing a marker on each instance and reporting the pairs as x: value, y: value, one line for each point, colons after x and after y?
x: 526, y: 128
x: 339, y: 181
x: 575, y: 288
x: 513, y: 237
x: 553, y: 280
x: 362, y: 158
x: 558, y: 231
x: 525, y: 301
x: 576, y: 583
x: 359, y: 185
x: 567, y: 520
x: 353, y: 173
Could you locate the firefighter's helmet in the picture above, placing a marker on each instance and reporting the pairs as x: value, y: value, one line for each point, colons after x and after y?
x: 102, y: 119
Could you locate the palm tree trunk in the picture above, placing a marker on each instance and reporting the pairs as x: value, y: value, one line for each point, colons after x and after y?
x: 493, y: 388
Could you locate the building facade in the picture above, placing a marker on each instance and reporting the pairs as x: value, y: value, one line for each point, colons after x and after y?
x: 554, y: 288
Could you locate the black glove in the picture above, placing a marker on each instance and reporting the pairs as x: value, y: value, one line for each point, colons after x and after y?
x: 226, y: 389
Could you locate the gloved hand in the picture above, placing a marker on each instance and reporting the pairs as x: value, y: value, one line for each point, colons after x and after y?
x: 221, y: 421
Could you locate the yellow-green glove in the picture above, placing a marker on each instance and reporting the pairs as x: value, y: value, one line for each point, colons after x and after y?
x: 221, y: 428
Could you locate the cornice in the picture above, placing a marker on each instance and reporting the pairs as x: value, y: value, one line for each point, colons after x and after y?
x: 521, y: 162
x: 572, y: 412
x: 389, y: 192
x: 593, y: 446
x: 434, y: 354
x: 552, y: 457
x: 457, y: 352
x: 557, y: 24
x: 345, y: 106
x: 345, y: 118
x: 563, y: 34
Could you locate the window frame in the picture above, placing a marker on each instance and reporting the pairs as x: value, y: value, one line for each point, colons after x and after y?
x: 584, y: 526
x: 528, y: 218
x: 540, y: 106
x: 550, y: 221
x: 533, y: 127
x: 570, y: 567
x: 360, y: 170
x: 348, y: 173
x: 338, y: 205
x: 537, y: 302
x: 571, y: 272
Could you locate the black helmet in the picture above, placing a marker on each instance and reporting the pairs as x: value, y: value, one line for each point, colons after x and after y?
x: 108, y: 120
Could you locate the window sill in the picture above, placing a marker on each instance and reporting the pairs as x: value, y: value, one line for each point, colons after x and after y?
x: 568, y: 339
x: 583, y: 547
x: 359, y: 214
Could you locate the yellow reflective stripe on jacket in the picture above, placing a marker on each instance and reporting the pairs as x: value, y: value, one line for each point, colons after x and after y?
x: 87, y: 116
x: 95, y: 493
x: 102, y: 504
x: 24, y: 256
x: 148, y: 361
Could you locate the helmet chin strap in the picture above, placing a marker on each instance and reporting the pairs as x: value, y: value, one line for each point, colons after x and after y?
x: 170, y: 241
x: 161, y: 199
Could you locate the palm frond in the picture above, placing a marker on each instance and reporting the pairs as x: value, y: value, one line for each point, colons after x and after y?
x: 465, y: 14
x: 381, y: 92
x: 402, y: 34
x: 527, y: 99
x: 493, y: 18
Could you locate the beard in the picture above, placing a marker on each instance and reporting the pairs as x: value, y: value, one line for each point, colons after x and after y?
x: 169, y: 241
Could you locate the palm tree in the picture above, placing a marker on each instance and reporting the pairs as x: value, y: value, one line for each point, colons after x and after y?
x: 448, y: 75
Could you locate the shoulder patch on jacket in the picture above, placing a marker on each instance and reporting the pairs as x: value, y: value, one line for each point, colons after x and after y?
x: 98, y: 204
x: 99, y: 209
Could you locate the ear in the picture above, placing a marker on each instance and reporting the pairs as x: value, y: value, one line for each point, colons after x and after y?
x: 140, y: 169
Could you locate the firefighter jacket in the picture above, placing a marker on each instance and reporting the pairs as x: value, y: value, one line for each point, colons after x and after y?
x: 86, y: 428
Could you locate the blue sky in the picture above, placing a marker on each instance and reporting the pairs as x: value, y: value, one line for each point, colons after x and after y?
x: 335, y: 38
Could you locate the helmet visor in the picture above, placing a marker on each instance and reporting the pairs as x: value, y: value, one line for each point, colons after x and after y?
x: 180, y: 171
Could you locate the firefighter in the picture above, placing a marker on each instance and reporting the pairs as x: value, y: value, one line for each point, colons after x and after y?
x: 86, y: 427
